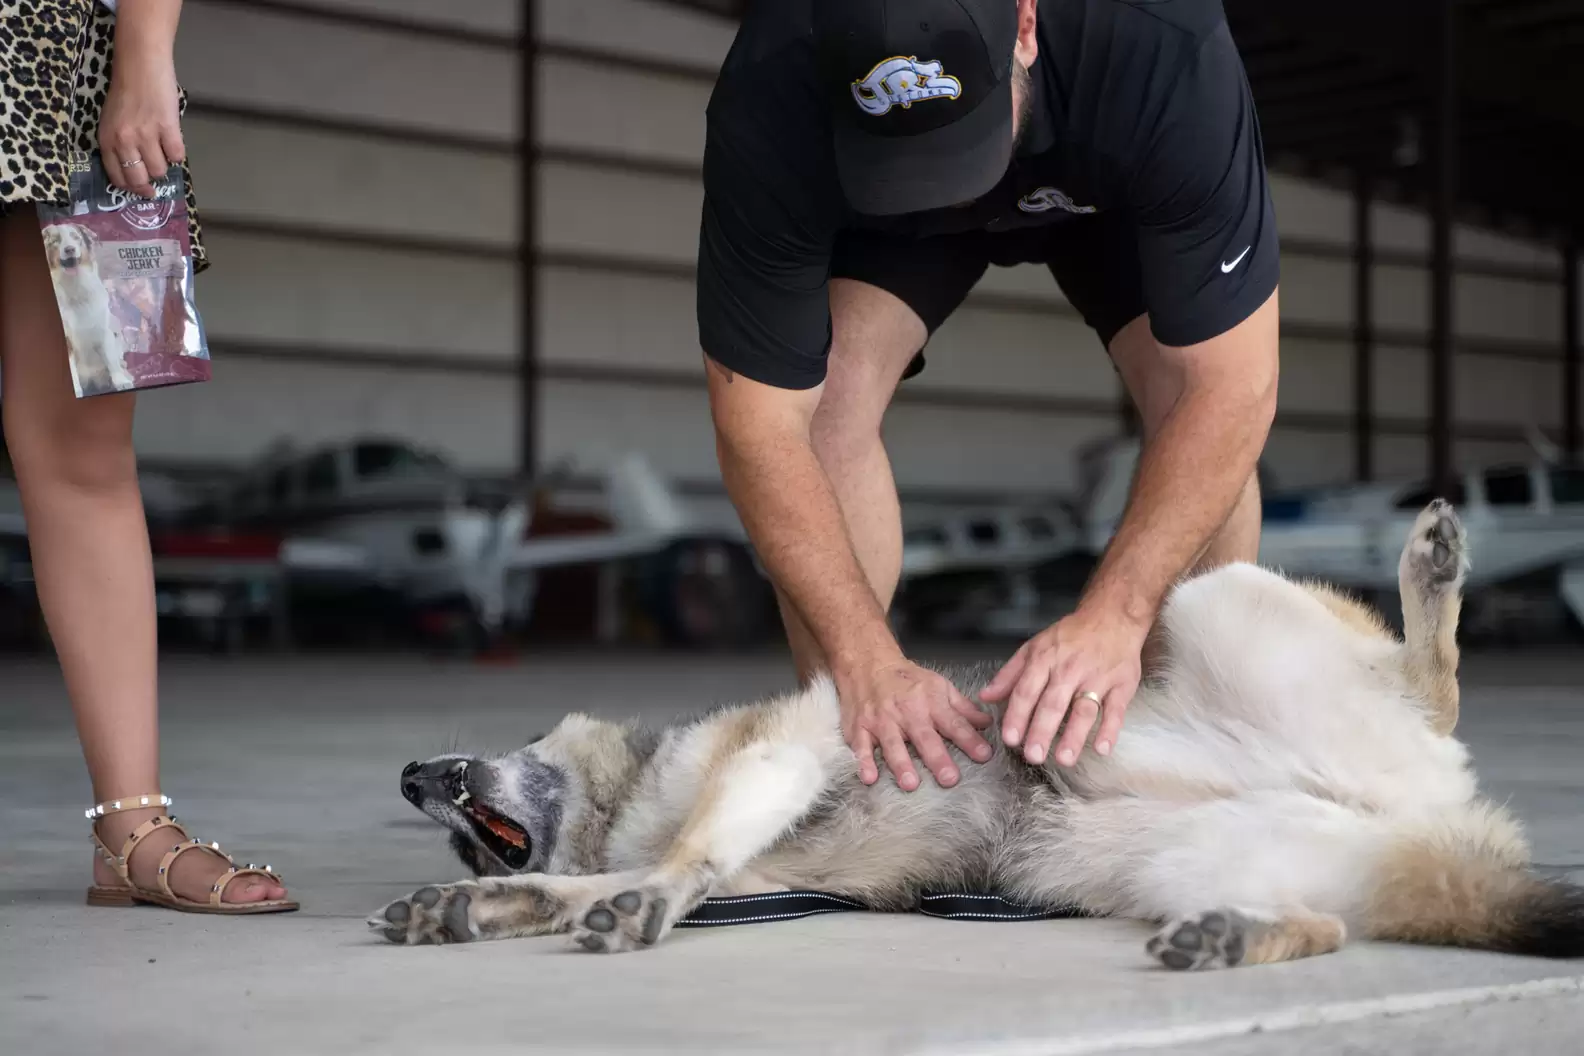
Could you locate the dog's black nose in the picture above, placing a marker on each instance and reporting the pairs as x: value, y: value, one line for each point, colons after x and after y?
x: 409, y: 784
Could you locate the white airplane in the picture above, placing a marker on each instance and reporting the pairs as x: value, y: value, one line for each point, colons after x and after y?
x: 381, y: 510
x: 1523, y: 520
x: 981, y: 571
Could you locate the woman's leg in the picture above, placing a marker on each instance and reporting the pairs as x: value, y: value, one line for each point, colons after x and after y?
x: 78, y: 478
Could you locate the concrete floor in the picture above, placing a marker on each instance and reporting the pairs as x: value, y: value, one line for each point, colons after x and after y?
x: 295, y: 762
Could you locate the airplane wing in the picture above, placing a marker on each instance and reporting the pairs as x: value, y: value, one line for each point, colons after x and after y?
x: 550, y: 551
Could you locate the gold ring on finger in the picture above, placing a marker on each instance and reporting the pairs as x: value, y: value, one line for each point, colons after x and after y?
x: 1092, y: 695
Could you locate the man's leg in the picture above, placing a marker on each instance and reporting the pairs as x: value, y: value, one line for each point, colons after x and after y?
x: 874, y: 336
x: 1155, y: 385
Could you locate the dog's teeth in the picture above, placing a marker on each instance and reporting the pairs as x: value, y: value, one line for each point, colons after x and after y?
x: 463, y: 798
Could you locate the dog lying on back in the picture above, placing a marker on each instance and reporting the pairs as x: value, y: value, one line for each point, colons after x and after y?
x: 1288, y: 780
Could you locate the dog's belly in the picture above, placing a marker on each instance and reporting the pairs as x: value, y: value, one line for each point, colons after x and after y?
x: 1267, y: 691
x: 881, y: 845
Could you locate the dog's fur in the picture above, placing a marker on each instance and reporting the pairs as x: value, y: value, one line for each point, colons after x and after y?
x: 93, y: 340
x: 1288, y: 779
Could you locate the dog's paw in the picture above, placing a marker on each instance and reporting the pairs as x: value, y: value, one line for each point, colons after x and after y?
x: 1218, y: 939
x: 429, y: 916
x: 1437, y: 550
x: 631, y: 920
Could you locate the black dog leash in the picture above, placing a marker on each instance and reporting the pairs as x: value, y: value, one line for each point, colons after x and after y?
x: 794, y: 905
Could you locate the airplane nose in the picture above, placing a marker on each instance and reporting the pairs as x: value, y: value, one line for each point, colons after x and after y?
x: 409, y: 784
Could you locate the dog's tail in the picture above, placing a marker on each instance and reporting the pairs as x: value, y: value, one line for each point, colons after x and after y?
x: 1465, y: 882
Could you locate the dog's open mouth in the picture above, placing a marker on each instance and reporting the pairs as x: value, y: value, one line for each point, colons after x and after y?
x: 501, y: 836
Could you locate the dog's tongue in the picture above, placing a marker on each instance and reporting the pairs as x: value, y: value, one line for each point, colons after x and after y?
x: 510, y: 833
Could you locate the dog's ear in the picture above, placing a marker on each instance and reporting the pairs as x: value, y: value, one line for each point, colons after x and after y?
x: 90, y: 239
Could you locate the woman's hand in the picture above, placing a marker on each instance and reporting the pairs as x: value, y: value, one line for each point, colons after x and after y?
x: 140, y: 125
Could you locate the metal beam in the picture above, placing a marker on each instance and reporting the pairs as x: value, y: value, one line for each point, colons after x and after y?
x: 1572, y: 249
x: 527, y: 244
x: 1444, y: 170
x: 1363, y: 328
x: 1495, y: 71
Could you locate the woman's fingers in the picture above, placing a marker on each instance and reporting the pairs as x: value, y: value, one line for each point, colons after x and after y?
x: 153, y: 167
x: 172, y: 145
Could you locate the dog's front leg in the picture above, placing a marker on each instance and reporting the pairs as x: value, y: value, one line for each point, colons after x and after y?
x: 492, y: 908
x: 752, y: 798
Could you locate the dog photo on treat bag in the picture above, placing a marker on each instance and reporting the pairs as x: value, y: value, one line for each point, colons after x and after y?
x: 122, y: 272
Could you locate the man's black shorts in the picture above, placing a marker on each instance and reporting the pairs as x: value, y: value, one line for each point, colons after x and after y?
x: 1093, y: 258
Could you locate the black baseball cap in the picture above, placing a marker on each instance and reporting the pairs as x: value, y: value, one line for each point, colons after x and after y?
x: 921, y: 98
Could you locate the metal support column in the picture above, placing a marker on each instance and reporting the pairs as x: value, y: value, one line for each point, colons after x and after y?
x: 527, y: 247
x: 1363, y: 329
x: 1572, y: 249
x: 1444, y: 195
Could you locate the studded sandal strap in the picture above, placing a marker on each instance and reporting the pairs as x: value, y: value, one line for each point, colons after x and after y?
x: 147, y: 829
x: 176, y: 852
x: 217, y: 892
x: 138, y: 802
x: 118, y: 862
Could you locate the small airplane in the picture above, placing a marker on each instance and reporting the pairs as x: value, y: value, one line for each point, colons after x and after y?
x: 1525, y: 523
x: 985, y: 571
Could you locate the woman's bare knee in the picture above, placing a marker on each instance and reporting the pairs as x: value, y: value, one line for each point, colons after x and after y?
x: 85, y: 446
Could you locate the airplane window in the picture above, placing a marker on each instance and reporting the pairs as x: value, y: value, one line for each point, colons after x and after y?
x: 1567, y: 485
x: 1038, y: 528
x: 1509, y: 487
x: 375, y: 459
x: 984, y: 531
x: 322, y: 475
x: 1420, y: 497
x: 280, y: 486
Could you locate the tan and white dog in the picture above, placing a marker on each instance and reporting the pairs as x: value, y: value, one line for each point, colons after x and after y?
x: 1289, y: 779
x: 93, y: 340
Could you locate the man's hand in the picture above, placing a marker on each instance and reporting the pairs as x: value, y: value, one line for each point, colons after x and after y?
x: 889, y: 706
x: 1094, y: 650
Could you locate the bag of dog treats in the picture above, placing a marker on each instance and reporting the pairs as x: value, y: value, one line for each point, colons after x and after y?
x: 123, y: 275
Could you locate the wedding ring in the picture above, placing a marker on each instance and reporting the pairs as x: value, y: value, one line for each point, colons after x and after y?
x: 129, y: 164
x: 1092, y: 695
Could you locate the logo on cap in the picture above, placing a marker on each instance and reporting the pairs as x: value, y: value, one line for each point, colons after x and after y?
x: 902, y: 81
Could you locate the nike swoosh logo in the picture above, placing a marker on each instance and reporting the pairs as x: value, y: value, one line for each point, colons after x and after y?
x: 1227, y: 266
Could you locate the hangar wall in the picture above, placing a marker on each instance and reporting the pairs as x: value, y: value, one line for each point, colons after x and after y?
x: 356, y: 161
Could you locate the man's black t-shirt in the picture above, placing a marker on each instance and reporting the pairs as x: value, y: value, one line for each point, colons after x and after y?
x: 1139, y: 106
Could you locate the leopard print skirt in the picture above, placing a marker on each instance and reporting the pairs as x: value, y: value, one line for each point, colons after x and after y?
x: 55, y: 60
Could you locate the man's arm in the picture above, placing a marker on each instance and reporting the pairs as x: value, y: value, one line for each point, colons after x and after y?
x: 1189, y: 478
x: 1188, y: 481
x: 786, y: 502
x: 1209, y: 261
x: 790, y: 511
x: 772, y: 209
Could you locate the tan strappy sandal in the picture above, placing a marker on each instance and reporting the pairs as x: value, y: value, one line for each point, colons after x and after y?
x: 99, y: 895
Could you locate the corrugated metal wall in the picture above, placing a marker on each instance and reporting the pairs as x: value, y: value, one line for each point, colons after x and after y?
x: 357, y: 164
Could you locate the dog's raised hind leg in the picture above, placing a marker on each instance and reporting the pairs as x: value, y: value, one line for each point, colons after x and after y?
x: 1430, y: 576
x: 752, y: 798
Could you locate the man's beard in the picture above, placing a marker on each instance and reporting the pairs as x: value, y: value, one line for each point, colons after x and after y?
x: 1023, y: 89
